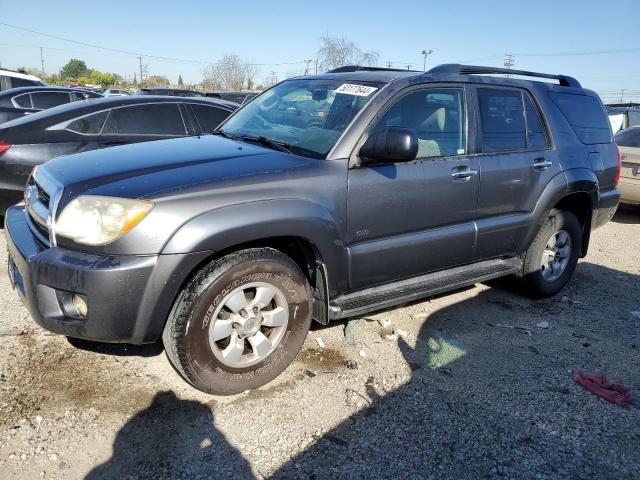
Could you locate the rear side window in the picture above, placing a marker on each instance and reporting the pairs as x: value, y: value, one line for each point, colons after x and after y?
x: 585, y: 115
x: 503, y: 125
x: 45, y: 100
x: 629, y: 138
x: 536, y: 136
x: 209, y: 117
x: 22, y: 101
x: 149, y: 119
x: 89, y: 125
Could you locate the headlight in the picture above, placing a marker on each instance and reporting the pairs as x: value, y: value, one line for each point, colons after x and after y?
x: 96, y: 220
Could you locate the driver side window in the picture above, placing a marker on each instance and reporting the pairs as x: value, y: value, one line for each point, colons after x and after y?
x: 437, y: 115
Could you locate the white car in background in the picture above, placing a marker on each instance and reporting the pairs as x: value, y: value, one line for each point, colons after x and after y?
x: 11, y: 79
x: 116, y: 92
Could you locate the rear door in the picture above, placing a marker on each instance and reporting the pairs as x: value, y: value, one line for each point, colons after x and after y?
x: 406, y: 219
x: 516, y: 164
x: 142, y: 123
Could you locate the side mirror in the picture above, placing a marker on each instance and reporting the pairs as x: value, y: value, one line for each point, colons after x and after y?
x: 390, y: 145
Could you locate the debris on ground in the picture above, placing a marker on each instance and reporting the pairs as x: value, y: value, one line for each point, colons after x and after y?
x: 351, y: 364
x: 320, y: 342
x: 384, y: 322
x: 542, y: 324
x: 636, y: 313
x: 598, y: 384
x: 11, y: 332
x: 402, y: 333
x: 350, y: 331
x: 444, y: 350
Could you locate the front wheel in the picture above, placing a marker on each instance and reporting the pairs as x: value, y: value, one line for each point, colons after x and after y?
x: 239, y: 322
x: 553, y: 255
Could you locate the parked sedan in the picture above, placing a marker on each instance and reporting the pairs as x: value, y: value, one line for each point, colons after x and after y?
x: 116, y: 92
x: 629, y: 143
x: 97, y: 123
x: 18, y: 102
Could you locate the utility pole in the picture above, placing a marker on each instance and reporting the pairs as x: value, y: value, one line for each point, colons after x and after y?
x: 141, y: 79
x: 316, y: 66
x: 306, y: 70
x: 388, y: 64
x: 426, y: 53
x: 509, y: 61
x: 409, y: 67
x: 41, y: 60
x: 622, y: 95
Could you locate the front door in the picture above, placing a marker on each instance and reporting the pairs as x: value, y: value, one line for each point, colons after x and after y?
x: 405, y: 219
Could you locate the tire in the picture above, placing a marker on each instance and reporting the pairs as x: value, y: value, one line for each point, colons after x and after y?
x: 217, y: 343
x: 544, y: 275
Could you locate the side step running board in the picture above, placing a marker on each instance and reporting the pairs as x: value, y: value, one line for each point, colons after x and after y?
x: 391, y: 294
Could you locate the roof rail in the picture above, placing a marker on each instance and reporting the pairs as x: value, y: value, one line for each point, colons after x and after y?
x: 454, y: 68
x: 360, y: 68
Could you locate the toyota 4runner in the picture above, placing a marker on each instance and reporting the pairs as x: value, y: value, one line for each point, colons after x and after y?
x: 323, y: 198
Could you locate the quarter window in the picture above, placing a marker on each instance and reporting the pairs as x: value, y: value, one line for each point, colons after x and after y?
x: 437, y: 115
x: 88, y: 125
x: 148, y: 119
x: 22, y: 101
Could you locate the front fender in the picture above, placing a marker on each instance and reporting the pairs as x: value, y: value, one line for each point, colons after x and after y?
x: 226, y: 227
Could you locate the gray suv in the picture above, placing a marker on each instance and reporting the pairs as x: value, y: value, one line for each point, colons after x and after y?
x: 325, y: 197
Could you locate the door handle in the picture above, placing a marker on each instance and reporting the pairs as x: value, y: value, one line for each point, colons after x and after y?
x: 463, y: 174
x: 541, y: 163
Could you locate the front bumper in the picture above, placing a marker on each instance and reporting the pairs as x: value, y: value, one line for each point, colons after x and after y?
x: 128, y: 297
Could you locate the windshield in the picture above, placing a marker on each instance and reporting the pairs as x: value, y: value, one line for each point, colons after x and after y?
x: 306, y: 116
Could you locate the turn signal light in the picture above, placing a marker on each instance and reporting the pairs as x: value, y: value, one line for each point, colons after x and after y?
x: 4, y: 146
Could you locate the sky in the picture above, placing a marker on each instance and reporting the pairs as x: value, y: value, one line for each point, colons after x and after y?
x: 550, y: 36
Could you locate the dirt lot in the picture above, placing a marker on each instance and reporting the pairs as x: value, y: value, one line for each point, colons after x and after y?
x: 476, y: 384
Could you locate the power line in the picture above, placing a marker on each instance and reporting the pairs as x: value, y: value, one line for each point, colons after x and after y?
x: 570, y: 54
x: 136, y: 54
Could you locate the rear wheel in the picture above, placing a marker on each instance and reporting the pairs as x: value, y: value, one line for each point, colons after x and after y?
x: 553, y: 255
x: 239, y: 322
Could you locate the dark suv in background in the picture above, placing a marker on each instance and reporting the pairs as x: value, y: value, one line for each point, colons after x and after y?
x: 325, y: 197
x: 18, y: 102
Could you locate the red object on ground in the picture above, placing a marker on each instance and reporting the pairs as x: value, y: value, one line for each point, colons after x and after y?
x: 598, y: 384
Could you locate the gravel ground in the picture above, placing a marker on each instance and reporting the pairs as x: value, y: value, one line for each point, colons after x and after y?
x: 476, y: 384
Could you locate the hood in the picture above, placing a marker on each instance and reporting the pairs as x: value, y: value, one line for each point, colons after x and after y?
x: 147, y: 169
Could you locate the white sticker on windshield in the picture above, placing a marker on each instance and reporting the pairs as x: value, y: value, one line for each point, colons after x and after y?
x: 358, y: 90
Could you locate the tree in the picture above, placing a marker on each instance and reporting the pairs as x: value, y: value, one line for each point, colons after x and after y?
x: 135, y: 79
x: 228, y: 73
x: 250, y: 73
x: 338, y: 51
x: 157, y: 81
x: 74, y: 69
x: 180, y: 82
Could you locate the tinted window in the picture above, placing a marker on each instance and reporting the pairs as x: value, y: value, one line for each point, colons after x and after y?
x: 44, y: 100
x: 503, y: 127
x: 89, y: 125
x: 80, y: 96
x: 437, y: 117
x: 629, y: 138
x: 536, y: 137
x: 586, y: 116
x: 21, y: 82
x: 150, y: 119
x: 23, y: 101
x: 209, y: 117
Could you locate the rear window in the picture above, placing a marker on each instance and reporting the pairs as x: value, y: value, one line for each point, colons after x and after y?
x: 585, y: 115
x: 23, y: 101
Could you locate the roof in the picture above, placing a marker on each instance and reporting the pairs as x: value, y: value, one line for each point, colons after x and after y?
x: 13, y: 73
x: 388, y: 75
x: 42, y: 88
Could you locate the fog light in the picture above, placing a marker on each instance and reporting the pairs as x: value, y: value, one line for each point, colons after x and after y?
x: 80, y: 305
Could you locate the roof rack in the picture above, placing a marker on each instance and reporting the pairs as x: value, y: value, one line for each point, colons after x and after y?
x: 454, y: 68
x: 360, y: 68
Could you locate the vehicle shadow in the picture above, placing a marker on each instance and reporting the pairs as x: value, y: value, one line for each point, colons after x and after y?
x: 172, y: 438
x: 118, y: 349
x: 486, y: 399
x: 627, y: 214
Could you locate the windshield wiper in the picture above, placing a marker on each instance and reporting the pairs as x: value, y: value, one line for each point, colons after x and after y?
x: 267, y: 142
x: 224, y: 134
